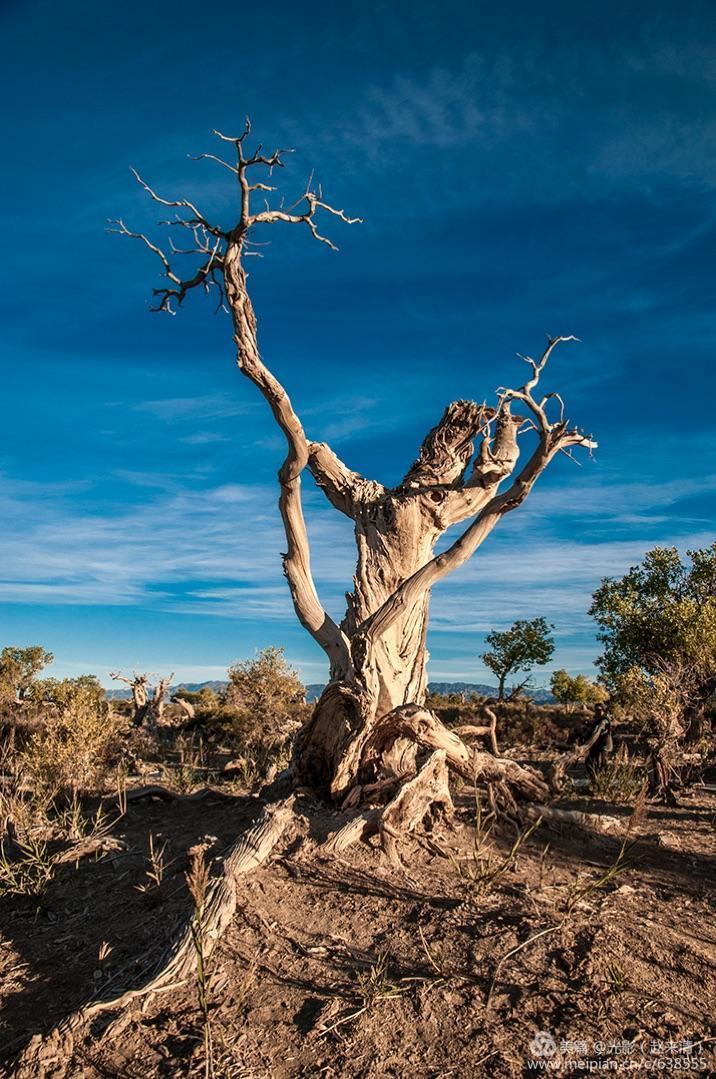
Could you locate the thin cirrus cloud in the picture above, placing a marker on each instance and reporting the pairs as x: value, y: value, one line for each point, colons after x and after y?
x: 487, y: 100
x: 185, y: 550
x: 141, y: 553
x: 183, y: 409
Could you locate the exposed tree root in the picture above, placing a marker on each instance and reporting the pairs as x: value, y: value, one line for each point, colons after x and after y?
x: 422, y: 795
x: 50, y: 1053
x: 420, y: 724
x: 158, y: 790
x: 590, y: 822
x: 359, y: 827
x: 488, y: 731
x: 414, y: 797
x: 558, y: 771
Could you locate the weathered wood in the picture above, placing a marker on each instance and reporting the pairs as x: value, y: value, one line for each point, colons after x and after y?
x: 488, y: 731
x: 362, y: 825
x: 427, y: 793
x: 590, y: 822
x: 423, y: 727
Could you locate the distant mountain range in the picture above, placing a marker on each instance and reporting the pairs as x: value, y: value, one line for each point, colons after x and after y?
x: 478, y: 689
x: 314, y: 690
x: 467, y: 689
x: 190, y: 687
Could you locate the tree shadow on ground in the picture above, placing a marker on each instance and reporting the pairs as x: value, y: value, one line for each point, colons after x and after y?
x: 53, y: 943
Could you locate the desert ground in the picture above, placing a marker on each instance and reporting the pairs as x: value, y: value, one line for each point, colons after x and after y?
x: 342, y: 965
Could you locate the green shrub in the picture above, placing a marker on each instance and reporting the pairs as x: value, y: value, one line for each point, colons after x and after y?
x: 72, y: 750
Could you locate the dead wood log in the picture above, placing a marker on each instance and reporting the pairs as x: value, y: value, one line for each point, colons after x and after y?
x: 590, y: 822
x: 103, y: 844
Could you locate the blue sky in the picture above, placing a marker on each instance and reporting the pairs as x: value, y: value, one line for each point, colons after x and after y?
x: 521, y: 169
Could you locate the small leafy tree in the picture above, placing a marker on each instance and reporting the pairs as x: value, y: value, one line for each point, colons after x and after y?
x: 570, y: 690
x: 526, y: 644
x: 18, y: 669
x: 264, y: 684
x: 658, y: 627
x: 67, y: 692
x: 262, y: 706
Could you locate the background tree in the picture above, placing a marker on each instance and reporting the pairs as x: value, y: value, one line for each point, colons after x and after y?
x: 65, y: 692
x: 526, y: 644
x: 158, y: 699
x: 579, y: 689
x: 139, y: 685
x: 658, y: 625
x: 263, y: 706
x: 72, y: 750
x: 370, y: 718
x: 18, y: 668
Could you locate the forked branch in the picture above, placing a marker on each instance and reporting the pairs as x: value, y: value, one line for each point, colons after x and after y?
x: 210, y: 241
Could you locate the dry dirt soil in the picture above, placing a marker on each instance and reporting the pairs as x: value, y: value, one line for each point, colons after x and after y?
x: 345, y: 967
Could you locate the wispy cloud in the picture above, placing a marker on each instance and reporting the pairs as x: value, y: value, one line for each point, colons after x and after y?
x: 215, y: 551
x: 447, y: 107
x: 184, y: 409
x: 168, y: 551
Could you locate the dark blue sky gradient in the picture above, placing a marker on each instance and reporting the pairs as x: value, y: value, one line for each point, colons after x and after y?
x: 520, y: 170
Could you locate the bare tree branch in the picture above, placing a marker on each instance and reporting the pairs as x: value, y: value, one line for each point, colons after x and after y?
x: 197, y: 217
x: 343, y: 488
x: 314, y: 202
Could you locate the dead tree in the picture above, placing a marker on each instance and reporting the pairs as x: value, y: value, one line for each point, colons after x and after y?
x: 139, y: 685
x: 370, y: 719
x: 158, y: 700
x: 187, y: 709
x: 148, y: 700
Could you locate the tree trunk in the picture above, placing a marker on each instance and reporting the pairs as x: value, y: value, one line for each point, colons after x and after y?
x: 501, y: 687
x: 392, y: 544
x: 377, y: 654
